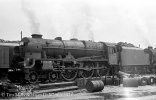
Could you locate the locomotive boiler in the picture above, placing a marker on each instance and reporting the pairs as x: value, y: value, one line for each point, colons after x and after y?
x: 36, y: 47
x: 54, y: 59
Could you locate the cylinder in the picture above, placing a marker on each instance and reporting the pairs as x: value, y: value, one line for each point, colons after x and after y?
x: 130, y: 82
x: 94, y: 86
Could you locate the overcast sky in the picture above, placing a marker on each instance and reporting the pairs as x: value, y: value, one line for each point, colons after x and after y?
x: 131, y: 21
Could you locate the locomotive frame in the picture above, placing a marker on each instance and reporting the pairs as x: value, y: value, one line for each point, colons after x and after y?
x: 70, y: 59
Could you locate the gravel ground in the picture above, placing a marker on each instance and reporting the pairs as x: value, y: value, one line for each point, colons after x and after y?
x: 108, y: 93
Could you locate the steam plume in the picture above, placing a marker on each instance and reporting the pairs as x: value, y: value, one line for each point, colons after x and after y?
x: 89, y: 22
x: 34, y: 24
x: 140, y: 27
x: 83, y: 23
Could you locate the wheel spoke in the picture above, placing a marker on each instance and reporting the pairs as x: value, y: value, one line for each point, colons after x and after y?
x: 69, y: 74
x: 53, y: 76
x: 33, y: 77
x: 102, y: 71
x: 88, y: 71
x: 87, y: 74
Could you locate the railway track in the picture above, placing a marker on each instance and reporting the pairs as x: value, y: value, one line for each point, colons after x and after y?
x: 55, y: 87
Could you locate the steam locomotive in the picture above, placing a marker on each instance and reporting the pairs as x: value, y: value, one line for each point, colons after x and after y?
x: 6, y: 56
x: 46, y: 59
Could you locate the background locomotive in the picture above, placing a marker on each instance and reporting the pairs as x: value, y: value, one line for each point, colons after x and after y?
x: 45, y: 59
x: 6, y: 57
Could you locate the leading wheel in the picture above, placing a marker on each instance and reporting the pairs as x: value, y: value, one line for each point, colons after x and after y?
x: 87, y: 71
x: 53, y: 76
x: 69, y: 74
x: 33, y: 77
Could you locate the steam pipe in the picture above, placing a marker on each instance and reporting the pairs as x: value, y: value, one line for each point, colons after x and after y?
x: 32, y: 65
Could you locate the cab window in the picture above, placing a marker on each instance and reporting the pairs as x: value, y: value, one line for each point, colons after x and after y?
x: 112, y: 50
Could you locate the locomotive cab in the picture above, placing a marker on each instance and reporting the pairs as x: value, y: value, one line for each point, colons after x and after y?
x: 112, y: 53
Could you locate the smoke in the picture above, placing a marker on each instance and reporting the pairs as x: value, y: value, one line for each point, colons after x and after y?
x: 140, y: 26
x: 75, y: 30
x: 30, y: 14
x: 142, y: 36
x: 90, y: 34
x: 89, y: 22
x: 142, y: 30
x: 83, y: 21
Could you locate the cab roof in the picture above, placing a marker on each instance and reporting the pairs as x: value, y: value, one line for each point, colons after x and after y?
x: 9, y: 44
x: 110, y: 44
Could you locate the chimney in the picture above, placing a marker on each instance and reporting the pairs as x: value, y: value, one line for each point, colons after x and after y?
x: 58, y: 38
x: 38, y: 36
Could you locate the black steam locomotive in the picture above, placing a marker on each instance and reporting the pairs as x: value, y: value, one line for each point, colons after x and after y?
x: 6, y: 56
x: 45, y: 59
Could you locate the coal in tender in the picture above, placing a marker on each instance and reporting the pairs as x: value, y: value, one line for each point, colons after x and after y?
x: 95, y: 86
